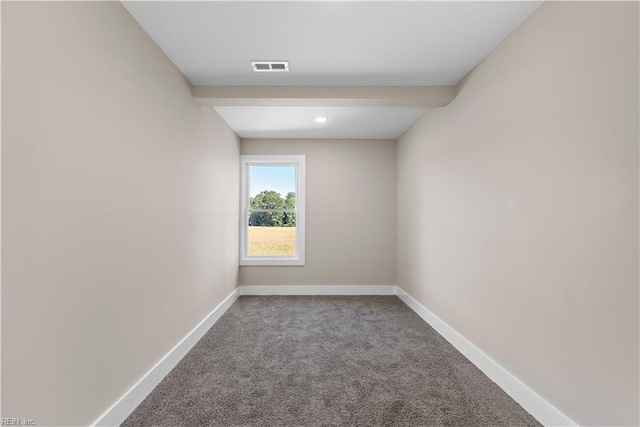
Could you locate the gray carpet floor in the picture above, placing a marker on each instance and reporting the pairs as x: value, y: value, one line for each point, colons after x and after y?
x: 316, y: 360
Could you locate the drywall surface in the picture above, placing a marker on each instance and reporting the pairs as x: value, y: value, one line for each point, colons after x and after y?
x: 120, y: 206
x: 350, y: 213
x: 518, y: 208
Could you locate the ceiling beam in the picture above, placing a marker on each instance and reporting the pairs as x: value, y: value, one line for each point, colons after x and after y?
x: 337, y: 96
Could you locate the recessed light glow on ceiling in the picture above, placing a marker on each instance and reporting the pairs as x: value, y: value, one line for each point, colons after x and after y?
x: 321, y: 119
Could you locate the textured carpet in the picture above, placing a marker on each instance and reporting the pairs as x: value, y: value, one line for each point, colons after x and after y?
x: 311, y: 361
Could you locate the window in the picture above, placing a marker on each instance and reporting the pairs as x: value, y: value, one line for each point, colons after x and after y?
x: 272, y: 216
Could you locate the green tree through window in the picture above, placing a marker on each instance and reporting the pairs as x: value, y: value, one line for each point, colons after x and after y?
x: 268, y: 199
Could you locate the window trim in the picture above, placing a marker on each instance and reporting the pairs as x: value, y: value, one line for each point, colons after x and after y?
x: 298, y: 161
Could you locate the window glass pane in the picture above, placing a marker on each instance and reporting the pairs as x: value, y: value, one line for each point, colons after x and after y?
x: 272, y: 233
x: 272, y: 187
x: 271, y: 240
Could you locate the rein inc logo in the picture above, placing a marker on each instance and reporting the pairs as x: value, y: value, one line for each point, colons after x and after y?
x: 5, y: 421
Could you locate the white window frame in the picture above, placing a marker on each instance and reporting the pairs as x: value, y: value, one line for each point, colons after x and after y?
x: 298, y: 162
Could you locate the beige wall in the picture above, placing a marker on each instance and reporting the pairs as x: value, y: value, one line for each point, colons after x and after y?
x: 350, y: 213
x: 518, y: 209
x: 120, y: 206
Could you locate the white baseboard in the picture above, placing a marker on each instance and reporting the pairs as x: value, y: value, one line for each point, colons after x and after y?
x: 121, y: 409
x: 538, y: 407
x: 318, y: 290
x: 533, y: 403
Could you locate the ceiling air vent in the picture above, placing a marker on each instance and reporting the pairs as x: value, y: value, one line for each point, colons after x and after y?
x: 270, y: 66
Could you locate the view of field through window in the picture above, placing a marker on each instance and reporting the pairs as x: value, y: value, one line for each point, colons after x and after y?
x: 272, y: 215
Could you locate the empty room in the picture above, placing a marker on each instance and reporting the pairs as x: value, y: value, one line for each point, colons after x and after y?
x: 320, y: 213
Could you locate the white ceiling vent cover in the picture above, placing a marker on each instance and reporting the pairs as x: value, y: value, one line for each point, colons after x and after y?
x: 270, y: 66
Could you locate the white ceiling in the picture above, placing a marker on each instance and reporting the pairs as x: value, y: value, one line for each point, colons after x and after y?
x: 327, y: 43
x: 298, y: 122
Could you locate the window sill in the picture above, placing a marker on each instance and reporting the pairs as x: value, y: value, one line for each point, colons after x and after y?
x: 264, y: 261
